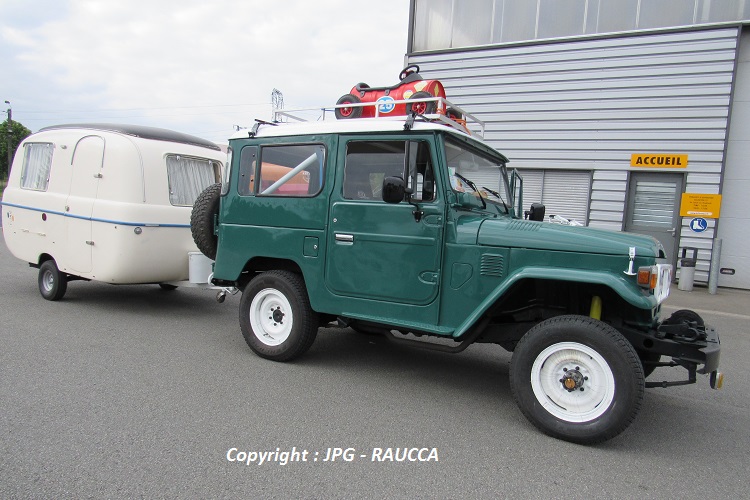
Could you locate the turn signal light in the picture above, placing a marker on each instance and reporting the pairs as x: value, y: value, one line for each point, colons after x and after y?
x: 648, y: 277
x: 644, y: 276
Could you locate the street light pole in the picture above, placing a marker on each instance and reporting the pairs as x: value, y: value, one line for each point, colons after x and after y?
x: 8, y: 137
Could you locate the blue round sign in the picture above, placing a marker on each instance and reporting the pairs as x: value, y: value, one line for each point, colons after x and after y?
x: 698, y: 225
x: 385, y: 104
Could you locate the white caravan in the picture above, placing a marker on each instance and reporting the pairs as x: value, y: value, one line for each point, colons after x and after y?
x: 109, y: 203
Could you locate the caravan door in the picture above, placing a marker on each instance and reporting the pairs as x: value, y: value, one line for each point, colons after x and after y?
x: 86, y: 165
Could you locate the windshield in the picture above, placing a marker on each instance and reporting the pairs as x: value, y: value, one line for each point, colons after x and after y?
x: 474, y: 171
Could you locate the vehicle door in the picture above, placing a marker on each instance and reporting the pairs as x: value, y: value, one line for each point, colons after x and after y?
x: 86, y: 166
x: 380, y: 251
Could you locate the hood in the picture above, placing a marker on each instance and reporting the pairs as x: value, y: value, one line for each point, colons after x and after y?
x: 547, y: 236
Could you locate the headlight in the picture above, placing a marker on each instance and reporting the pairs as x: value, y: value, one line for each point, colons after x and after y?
x: 656, y: 279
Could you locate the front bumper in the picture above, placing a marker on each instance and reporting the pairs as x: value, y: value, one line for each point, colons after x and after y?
x: 696, y: 353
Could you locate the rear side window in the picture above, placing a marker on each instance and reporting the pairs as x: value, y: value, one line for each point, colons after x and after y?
x: 290, y: 170
x: 188, y: 177
x: 37, y: 162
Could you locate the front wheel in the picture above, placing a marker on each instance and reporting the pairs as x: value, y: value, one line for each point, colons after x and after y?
x: 275, y: 316
x: 52, y: 283
x: 577, y: 379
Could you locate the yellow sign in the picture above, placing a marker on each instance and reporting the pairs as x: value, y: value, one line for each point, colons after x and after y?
x: 651, y: 160
x: 700, y: 205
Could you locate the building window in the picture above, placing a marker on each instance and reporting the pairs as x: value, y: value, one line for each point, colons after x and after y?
x: 617, y: 16
x: 518, y: 20
x: 443, y: 24
x: 37, y: 162
x: 432, y: 24
x: 561, y: 18
x: 472, y: 23
x: 663, y: 13
x: 188, y: 177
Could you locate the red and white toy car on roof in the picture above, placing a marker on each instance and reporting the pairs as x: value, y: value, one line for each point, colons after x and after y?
x: 411, y: 87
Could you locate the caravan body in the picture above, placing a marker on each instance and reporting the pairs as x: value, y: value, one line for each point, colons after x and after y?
x: 106, y: 202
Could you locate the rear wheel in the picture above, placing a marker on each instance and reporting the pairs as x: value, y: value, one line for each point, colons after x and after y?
x: 275, y: 316
x: 52, y: 283
x: 348, y: 112
x: 577, y: 379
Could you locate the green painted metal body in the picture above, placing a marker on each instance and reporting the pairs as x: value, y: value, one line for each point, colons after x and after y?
x: 373, y: 261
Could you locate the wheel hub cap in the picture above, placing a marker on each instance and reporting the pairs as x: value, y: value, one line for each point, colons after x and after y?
x: 277, y: 315
x: 573, y: 379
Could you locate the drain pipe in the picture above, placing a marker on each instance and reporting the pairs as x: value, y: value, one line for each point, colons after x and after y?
x: 713, y: 275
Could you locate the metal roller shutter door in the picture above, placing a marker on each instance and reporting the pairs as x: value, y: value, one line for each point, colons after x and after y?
x: 563, y: 192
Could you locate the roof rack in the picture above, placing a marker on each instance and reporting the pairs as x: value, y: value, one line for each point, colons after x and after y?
x: 467, y: 124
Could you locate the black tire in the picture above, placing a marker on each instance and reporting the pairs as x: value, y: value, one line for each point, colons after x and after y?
x: 167, y: 287
x: 421, y: 108
x: 684, y: 316
x: 453, y: 114
x: 346, y: 113
x: 52, y: 283
x: 586, y: 354
x: 275, y: 316
x: 205, y: 209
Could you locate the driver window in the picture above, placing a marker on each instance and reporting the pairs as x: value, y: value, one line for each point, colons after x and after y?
x: 368, y: 163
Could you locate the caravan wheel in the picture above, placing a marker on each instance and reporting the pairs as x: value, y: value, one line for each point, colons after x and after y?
x: 52, y: 283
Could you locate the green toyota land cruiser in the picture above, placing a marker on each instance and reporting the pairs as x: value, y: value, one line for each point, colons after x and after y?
x: 414, y: 229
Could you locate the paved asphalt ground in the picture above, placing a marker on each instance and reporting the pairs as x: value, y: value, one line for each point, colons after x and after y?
x: 130, y: 391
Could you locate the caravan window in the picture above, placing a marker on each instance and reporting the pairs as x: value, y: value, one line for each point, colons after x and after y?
x: 37, y: 161
x: 188, y: 177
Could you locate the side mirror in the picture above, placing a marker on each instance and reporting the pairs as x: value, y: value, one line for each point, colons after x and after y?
x: 394, y: 189
x: 535, y: 213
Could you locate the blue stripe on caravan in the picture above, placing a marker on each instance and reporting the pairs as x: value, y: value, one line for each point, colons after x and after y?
x: 93, y: 219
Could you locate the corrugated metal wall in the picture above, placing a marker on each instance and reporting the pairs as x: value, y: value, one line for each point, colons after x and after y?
x: 589, y: 104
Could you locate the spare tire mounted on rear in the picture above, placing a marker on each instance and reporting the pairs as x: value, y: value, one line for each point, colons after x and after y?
x: 205, y: 210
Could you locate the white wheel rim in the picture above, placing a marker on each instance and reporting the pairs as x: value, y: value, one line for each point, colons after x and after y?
x: 271, y: 317
x: 594, y: 376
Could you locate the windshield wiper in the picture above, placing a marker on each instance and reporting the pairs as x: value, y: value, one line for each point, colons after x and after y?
x: 496, y: 195
x: 474, y: 187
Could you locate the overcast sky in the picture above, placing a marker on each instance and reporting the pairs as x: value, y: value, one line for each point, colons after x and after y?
x: 195, y: 66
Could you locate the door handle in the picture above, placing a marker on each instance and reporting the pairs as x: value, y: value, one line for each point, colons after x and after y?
x: 673, y: 231
x: 347, y: 238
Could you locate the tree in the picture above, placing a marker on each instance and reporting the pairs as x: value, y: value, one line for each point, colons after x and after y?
x: 18, y: 133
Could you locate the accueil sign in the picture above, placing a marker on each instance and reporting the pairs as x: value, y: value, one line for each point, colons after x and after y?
x: 650, y: 160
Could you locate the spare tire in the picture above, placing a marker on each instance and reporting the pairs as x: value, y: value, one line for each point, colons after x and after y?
x: 205, y: 210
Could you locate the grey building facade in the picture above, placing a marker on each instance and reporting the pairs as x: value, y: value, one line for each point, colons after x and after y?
x: 583, y: 95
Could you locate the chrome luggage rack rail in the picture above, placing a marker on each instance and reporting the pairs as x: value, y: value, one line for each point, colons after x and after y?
x: 473, y: 125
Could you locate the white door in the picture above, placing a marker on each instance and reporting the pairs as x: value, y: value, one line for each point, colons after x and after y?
x: 88, y: 158
x: 734, y: 221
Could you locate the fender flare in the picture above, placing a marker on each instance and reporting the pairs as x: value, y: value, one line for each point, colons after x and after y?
x: 618, y: 284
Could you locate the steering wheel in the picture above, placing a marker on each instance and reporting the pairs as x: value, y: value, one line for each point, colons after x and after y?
x: 408, y: 71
